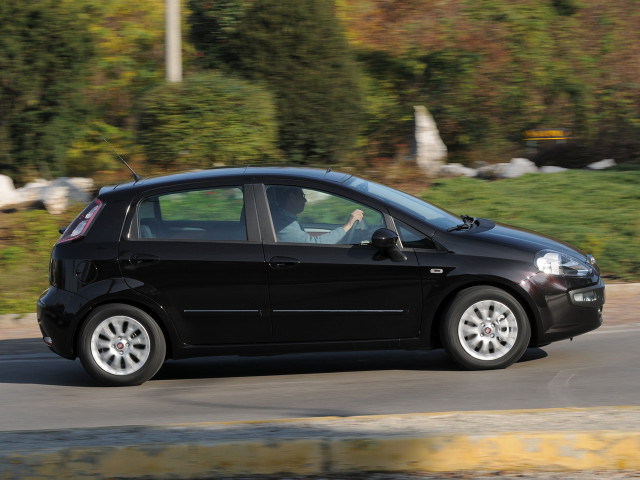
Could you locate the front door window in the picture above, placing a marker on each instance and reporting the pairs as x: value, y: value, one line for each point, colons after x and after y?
x: 303, y: 215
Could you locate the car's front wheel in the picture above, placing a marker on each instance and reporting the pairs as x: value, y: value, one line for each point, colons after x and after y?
x: 121, y: 345
x: 485, y: 328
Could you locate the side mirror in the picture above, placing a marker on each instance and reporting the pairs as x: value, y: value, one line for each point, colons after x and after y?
x: 384, y: 238
x: 387, y: 240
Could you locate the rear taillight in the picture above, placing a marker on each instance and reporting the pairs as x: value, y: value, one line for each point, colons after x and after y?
x: 80, y: 226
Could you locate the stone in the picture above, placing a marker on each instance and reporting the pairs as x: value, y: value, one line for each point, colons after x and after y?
x: 551, y: 169
x: 457, y: 170
x: 56, y: 195
x: 518, y: 167
x: 492, y: 171
x: 602, y: 164
x: 431, y: 151
x: 8, y: 195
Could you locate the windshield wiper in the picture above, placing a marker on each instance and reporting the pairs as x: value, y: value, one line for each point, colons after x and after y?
x: 469, y: 222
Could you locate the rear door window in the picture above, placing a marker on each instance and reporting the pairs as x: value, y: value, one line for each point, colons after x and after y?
x: 204, y: 214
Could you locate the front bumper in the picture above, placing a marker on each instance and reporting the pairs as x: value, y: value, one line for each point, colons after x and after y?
x: 572, y: 313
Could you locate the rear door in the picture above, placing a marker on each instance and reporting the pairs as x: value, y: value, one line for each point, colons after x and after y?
x: 197, y: 253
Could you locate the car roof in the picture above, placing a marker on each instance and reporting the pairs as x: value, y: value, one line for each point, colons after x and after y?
x: 231, y: 172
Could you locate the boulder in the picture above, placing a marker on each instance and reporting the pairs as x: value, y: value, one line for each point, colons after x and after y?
x: 457, y: 170
x: 8, y: 195
x: 602, y: 164
x: 492, y: 171
x: 430, y: 149
x: 551, y: 169
x: 518, y: 167
x: 56, y: 195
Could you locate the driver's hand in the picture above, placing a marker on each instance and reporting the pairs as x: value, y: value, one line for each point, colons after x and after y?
x: 355, y: 216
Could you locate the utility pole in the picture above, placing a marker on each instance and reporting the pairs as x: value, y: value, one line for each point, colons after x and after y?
x: 173, y: 41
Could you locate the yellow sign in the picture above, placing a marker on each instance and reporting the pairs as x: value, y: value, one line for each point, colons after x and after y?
x: 549, y: 134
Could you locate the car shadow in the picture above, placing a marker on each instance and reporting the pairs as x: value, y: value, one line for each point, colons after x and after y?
x: 317, y: 363
x: 305, y: 363
x: 28, y: 361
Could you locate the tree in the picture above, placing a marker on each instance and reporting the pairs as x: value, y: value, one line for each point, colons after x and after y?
x: 299, y: 49
x: 208, y: 119
x: 45, y: 51
x: 212, y: 23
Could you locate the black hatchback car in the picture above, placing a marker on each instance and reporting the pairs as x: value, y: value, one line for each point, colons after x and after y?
x: 253, y: 261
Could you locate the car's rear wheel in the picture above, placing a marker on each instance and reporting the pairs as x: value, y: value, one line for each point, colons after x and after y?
x: 121, y: 345
x: 485, y: 328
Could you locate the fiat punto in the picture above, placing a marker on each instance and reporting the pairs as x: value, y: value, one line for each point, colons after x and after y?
x: 257, y: 260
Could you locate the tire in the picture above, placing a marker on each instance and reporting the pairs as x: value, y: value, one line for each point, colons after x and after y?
x: 120, y: 345
x: 485, y: 328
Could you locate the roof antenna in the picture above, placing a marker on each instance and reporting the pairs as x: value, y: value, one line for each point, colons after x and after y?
x: 136, y: 177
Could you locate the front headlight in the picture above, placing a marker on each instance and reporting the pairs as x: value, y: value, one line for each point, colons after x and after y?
x: 556, y: 263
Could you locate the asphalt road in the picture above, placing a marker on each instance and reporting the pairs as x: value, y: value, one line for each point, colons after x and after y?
x: 39, y: 390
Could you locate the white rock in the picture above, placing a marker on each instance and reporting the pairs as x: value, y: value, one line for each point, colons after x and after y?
x: 492, y: 170
x: 552, y: 169
x: 518, y: 167
x: 457, y: 169
x: 431, y: 150
x: 8, y: 195
x: 32, y: 191
x: 56, y: 195
x: 602, y: 164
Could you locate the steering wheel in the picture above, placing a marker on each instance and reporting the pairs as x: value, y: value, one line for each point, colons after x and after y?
x: 360, y: 228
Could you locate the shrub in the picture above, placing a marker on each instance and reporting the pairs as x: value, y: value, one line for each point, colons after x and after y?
x: 299, y: 49
x: 209, y: 119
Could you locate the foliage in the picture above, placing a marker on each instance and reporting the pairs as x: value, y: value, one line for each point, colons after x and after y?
x: 589, y: 209
x: 489, y: 69
x: 209, y: 119
x: 26, y: 239
x: 212, y: 23
x: 129, y: 39
x: 300, y: 51
x: 45, y: 53
x: 88, y: 154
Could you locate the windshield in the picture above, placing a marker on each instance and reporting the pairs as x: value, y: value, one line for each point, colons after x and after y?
x: 403, y: 201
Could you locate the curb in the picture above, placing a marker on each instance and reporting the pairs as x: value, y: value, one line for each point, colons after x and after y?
x: 601, y: 439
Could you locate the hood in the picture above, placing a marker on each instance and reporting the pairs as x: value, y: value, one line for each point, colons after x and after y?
x: 512, y: 242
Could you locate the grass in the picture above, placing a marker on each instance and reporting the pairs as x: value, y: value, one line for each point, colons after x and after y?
x: 597, y: 211
x: 26, y: 239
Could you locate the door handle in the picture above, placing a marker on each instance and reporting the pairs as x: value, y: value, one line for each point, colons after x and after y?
x: 283, y: 262
x: 142, y: 258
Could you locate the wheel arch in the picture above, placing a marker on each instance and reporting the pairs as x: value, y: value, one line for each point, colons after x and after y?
x: 514, y: 290
x: 155, y: 313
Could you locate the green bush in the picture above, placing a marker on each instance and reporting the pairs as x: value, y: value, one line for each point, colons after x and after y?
x: 299, y: 49
x: 207, y: 120
x: 45, y: 56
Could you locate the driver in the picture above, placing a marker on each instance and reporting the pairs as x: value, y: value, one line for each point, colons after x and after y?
x: 290, y: 201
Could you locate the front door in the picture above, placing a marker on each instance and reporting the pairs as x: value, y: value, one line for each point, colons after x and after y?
x: 190, y: 251
x: 326, y: 282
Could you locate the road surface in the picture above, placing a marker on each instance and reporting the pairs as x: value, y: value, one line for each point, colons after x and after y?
x: 39, y: 390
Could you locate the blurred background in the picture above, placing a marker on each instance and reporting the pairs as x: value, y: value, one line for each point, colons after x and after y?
x: 329, y: 83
